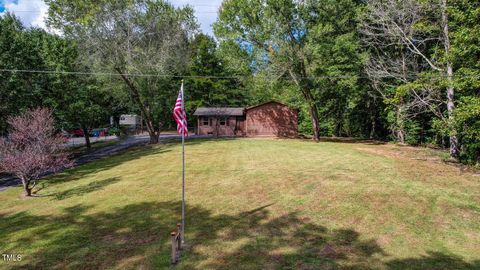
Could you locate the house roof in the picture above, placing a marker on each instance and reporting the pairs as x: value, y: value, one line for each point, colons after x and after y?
x: 265, y: 103
x: 219, y: 111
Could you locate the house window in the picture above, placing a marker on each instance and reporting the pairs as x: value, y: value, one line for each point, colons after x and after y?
x: 205, y: 121
x: 224, y: 121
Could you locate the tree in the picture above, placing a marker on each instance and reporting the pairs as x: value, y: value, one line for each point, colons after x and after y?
x: 454, y: 148
x: 19, y: 50
x: 140, y: 41
x: 335, y: 61
x: 467, y: 121
x: 87, y: 106
x: 217, y: 87
x: 33, y: 148
x: 392, y: 63
x: 77, y: 100
x: 404, y: 38
x: 464, y: 26
x: 80, y: 100
x: 276, y: 32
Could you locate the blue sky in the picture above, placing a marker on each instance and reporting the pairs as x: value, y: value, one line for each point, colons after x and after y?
x: 33, y: 12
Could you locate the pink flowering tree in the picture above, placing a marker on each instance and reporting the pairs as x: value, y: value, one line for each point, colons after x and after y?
x: 33, y: 148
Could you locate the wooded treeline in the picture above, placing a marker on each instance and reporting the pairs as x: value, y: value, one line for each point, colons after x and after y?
x: 405, y: 71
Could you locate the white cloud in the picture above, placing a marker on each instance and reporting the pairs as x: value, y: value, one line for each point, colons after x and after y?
x: 30, y: 12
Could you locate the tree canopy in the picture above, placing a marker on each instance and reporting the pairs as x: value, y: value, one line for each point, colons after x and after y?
x: 404, y: 71
x: 133, y: 39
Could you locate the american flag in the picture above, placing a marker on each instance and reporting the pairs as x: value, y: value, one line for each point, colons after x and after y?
x: 179, y: 114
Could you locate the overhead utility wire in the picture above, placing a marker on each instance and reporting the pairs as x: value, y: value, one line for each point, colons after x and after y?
x: 115, y: 74
x: 213, y: 76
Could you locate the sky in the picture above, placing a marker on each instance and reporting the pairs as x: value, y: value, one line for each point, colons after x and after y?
x: 33, y: 12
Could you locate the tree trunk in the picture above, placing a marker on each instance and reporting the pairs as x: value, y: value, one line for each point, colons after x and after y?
x: 338, y: 127
x: 87, y: 137
x: 454, y: 151
x: 312, y: 107
x: 314, y: 116
x: 372, y: 130
x: 313, y: 110
x: 401, y: 135
x: 153, y: 136
x: 27, y: 190
x: 400, y: 124
x: 136, y: 97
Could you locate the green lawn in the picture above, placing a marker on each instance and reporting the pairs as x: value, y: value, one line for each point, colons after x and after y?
x: 252, y: 204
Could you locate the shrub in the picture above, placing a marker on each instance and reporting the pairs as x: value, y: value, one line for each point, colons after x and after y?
x: 33, y: 148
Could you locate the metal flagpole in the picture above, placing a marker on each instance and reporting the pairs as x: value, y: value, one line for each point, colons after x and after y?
x: 183, y: 171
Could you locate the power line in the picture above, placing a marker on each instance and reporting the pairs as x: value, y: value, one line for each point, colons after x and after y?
x: 214, y: 76
x: 117, y: 74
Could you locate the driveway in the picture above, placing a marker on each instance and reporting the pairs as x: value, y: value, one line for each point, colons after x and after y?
x: 79, y: 141
x: 7, y: 181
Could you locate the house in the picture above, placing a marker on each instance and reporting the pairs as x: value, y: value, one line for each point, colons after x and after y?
x: 266, y: 119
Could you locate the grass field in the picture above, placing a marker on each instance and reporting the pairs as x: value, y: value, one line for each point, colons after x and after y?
x: 252, y: 204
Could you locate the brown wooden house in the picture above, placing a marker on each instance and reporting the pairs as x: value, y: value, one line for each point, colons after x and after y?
x: 267, y: 119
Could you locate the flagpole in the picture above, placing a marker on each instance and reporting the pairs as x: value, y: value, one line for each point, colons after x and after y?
x: 183, y: 172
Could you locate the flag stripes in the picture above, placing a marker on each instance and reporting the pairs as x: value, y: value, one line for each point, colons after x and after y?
x: 179, y: 114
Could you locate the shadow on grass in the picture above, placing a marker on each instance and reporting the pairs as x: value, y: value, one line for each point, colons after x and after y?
x: 91, y: 187
x: 137, y: 236
x: 133, y: 153
x: 117, y: 159
x: 7, y: 180
x: 109, y: 162
x: 433, y: 260
x: 352, y: 140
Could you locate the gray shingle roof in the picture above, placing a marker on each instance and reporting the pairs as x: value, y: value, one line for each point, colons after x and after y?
x: 219, y: 111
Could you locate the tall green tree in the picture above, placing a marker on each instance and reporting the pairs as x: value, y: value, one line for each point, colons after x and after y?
x: 464, y: 25
x: 276, y: 32
x: 336, y: 60
x: 211, y: 83
x: 140, y: 41
x: 312, y: 43
x: 78, y: 98
x: 413, y: 50
x: 19, y: 50
x: 47, y: 65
